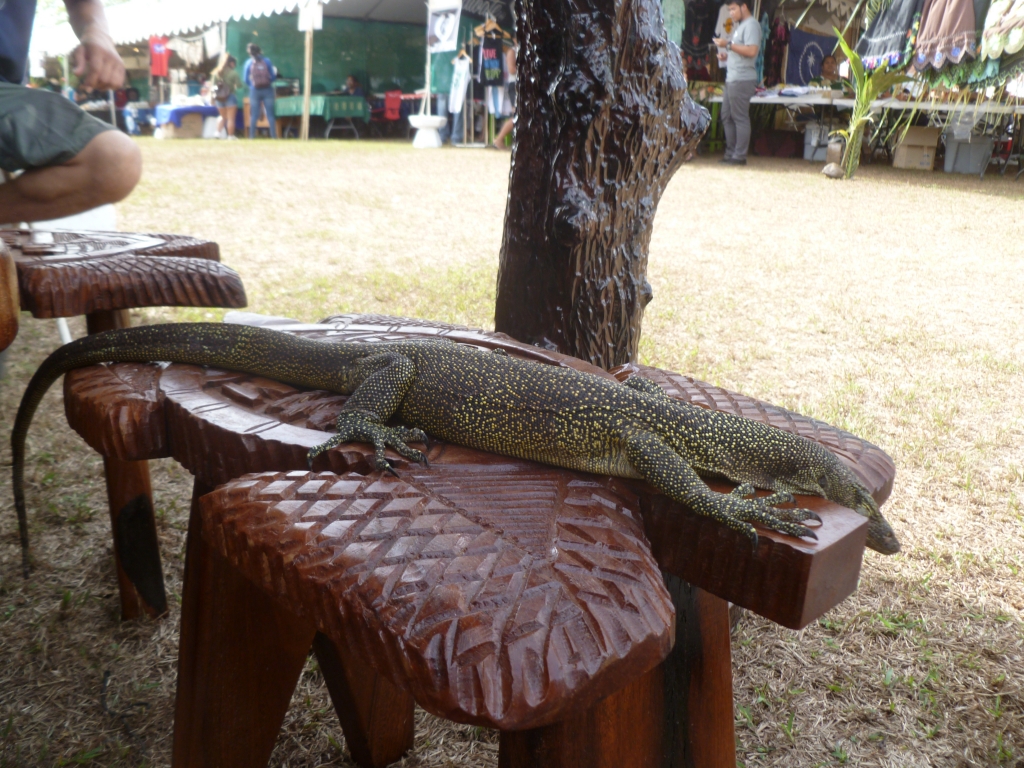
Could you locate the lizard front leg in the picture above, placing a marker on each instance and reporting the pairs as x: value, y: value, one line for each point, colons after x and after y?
x: 384, y: 379
x: 666, y: 470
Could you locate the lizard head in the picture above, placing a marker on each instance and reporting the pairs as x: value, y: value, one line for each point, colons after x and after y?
x: 837, y: 482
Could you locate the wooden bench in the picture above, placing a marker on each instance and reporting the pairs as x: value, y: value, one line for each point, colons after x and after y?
x: 102, y: 275
x: 579, y: 673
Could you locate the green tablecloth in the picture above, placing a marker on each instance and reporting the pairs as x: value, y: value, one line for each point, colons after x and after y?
x: 327, y: 107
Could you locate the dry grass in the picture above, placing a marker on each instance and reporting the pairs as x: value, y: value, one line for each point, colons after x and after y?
x: 890, y: 306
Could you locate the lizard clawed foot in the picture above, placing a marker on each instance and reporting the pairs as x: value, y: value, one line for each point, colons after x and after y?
x: 362, y: 427
x: 739, y: 513
x: 772, y: 502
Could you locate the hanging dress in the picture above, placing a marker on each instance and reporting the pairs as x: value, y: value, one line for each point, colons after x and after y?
x: 948, y: 34
x: 775, y: 52
x: 1004, y: 29
x: 890, y: 37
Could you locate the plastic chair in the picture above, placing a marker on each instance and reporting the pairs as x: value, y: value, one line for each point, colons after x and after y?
x: 391, y: 112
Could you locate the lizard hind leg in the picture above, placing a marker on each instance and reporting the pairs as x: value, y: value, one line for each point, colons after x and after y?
x: 358, y: 426
x: 660, y: 465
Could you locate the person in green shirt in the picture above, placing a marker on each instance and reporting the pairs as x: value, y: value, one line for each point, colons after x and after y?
x: 227, y: 81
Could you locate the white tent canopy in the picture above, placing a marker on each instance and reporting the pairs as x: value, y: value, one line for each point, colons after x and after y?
x: 137, y: 20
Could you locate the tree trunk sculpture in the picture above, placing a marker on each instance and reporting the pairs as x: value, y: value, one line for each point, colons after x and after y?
x: 604, y: 120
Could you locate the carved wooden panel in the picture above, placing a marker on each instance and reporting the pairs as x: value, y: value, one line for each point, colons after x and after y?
x: 62, y: 274
x: 118, y: 410
x: 482, y: 618
x: 8, y: 298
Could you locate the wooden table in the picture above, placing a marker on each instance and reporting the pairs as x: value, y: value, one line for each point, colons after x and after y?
x: 562, y: 641
x: 102, y: 275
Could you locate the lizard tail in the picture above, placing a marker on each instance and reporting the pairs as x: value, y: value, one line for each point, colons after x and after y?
x: 240, y: 348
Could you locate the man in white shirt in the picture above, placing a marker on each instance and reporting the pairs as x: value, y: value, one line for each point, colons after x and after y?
x: 740, y: 80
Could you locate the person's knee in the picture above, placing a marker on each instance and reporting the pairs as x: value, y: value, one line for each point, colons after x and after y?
x: 114, y: 163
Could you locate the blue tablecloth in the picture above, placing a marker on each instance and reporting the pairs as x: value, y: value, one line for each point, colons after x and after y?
x: 167, y: 113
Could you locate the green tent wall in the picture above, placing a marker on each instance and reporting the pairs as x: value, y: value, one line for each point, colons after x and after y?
x: 381, y: 55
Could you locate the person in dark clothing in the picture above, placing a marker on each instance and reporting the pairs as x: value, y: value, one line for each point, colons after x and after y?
x: 70, y: 161
x: 353, y: 88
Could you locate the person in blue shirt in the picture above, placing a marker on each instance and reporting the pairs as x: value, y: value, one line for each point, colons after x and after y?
x: 70, y: 161
x: 353, y: 88
x: 259, y: 74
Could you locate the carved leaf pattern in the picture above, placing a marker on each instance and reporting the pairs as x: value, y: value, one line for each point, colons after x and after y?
x: 481, y: 618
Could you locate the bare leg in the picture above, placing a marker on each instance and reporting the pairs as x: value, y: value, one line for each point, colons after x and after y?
x: 229, y: 119
x: 104, y: 172
x: 506, y: 129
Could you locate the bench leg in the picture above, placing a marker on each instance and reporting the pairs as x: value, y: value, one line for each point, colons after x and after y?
x: 239, y: 659
x: 140, y: 578
x: 678, y: 715
x: 376, y: 716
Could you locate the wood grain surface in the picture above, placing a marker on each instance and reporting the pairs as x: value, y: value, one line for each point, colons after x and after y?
x: 9, y: 300
x: 482, y: 620
x: 63, y: 274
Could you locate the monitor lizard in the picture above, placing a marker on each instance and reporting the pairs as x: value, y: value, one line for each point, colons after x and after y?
x: 501, y: 404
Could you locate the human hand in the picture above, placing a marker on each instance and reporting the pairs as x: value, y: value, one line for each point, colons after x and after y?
x: 97, y: 62
x: 723, y: 56
x: 720, y: 42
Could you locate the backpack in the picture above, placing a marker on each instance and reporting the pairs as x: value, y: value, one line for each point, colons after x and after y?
x: 224, y: 91
x: 259, y: 73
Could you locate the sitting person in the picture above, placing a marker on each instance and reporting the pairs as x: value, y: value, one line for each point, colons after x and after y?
x: 71, y: 161
x: 352, y: 87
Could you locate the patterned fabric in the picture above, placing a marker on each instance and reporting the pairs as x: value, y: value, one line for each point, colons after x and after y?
x: 948, y: 34
x: 1004, y: 29
x: 759, y: 64
x: 890, y: 37
x: 701, y: 16
x: 775, y: 52
x: 806, y: 52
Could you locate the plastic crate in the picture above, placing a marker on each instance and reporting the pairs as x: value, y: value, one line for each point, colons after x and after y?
x: 970, y: 156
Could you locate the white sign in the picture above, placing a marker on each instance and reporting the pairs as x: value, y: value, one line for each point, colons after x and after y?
x: 443, y: 25
x: 311, y: 15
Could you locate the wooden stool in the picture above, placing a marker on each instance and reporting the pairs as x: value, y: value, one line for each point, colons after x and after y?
x: 102, y: 275
x: 571, y: 675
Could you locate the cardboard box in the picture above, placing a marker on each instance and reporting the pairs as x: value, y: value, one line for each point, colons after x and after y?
x: 191, y: 127
x: 917, y: 149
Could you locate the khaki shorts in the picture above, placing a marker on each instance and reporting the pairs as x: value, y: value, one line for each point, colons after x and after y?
x: 40, y: 128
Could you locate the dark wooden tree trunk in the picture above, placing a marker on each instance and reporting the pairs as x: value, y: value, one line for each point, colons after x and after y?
x: 604, y: 120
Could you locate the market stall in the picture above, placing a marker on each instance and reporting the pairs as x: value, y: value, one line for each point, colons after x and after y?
x: 962, y: 62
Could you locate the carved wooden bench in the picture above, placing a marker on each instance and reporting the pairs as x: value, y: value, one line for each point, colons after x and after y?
x: 488, y: 589
x: 102, y: 275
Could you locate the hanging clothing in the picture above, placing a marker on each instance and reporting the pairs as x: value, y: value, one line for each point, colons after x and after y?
x: 759, y: 63
x: 701, y: 16
x: 891, y: 35
x: 806, y: 52
x: 775, y: 52
x: 1004, y: 29
x: 189, y: 50
x: 492, y: 62
x: 159, y: 54
x: 211, y: 42
x: 460, y: 77
x: 947, y: 34
x: 724, y: 29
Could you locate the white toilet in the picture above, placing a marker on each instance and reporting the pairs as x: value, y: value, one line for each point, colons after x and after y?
x: 426, y: 127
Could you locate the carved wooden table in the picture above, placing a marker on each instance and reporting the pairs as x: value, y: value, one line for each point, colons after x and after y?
x: 102, y: 275
x: 490, y: 590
